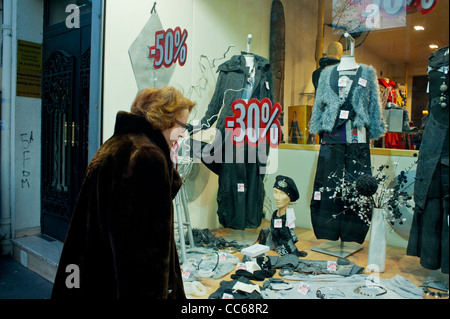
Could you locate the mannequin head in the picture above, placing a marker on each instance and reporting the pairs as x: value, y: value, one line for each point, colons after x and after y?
x: 282, y: 199
x: 335, y: 50
x: 284, y: 192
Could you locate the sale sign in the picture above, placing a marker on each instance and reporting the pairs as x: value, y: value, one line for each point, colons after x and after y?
x: 254, y: 122
x: 170, y: 47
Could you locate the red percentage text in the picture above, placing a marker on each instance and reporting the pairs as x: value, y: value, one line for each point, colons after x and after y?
x: 254, y: 122
x: 170, y: 47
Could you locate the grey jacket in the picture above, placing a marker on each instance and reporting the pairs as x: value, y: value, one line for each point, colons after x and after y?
x: 365, y: 100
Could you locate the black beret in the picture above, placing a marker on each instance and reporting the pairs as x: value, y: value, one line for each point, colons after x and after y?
x: 287, y: 185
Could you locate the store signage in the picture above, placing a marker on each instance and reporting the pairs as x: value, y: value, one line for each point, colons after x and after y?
x: 170, y: 47
x: 29, y: 69
x: 394, y: 7
x: 378, y: 14
x: 423, y: 6
x: 254, y: 122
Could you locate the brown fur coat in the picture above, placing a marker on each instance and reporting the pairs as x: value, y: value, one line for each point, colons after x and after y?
x: 121, y: 235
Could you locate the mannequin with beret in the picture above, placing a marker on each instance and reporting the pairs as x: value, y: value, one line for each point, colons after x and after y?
x: 280, y: 236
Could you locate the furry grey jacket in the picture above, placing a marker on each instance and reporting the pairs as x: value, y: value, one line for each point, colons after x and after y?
x: 365, y: 100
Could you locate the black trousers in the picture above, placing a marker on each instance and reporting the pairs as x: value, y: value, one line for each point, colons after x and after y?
x: 429, y: 232
x: 328, y: 218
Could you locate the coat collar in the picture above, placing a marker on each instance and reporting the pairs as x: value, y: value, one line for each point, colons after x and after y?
x: 128, y: 123
x: 237, y: 63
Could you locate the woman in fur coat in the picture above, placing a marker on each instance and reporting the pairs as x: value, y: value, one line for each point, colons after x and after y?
x: 120, y: 242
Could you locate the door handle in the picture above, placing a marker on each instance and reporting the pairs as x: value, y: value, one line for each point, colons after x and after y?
x: 74, y: 141
x: 65, y: 133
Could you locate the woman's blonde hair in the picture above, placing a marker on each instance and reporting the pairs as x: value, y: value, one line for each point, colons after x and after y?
x: 161, y: 106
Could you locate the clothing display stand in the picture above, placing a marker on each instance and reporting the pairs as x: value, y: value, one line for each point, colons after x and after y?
x: 337, y: 248
x: 185, y: 166
x: 340, y: 248
x: 240, y: 236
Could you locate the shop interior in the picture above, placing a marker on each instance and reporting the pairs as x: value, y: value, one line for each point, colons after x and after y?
x: 399, y: 52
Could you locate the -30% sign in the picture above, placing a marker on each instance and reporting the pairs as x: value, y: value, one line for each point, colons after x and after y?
x: 254, y: 122
x: 170, y: 46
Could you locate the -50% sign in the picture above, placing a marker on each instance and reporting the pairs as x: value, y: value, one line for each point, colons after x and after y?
x: 254, y: 122
x: 170, y: 46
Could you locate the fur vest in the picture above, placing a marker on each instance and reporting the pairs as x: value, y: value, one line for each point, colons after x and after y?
x: 121, y: 235
x: 365, y: 100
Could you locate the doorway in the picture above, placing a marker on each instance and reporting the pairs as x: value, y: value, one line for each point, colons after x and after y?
x: 65, y: 115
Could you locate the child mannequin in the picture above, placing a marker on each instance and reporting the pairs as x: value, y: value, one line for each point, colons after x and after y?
x: 279, y: 236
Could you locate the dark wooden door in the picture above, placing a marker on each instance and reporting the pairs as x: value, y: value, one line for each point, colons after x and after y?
x: 65, y: 113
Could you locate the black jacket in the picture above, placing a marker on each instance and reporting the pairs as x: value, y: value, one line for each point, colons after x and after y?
x: 233, y: 76
x: 237, y: 209
x: 323, y: 63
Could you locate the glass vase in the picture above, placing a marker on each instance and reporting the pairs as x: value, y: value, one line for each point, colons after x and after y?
x: 376, y: 260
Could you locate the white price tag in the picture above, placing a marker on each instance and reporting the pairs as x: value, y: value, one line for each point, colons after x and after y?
x: 290, y: 218
x: 240, y: 187
x: 362, y: 82
x: 186, y: 274
x: 278, y: 223
x: 317, y: 195
x: 240, y: 266
x: 227, y: 296
x: 303, y: 288
x: 344, y: 114
x: 342, y: 82
x: 222, y: 256
x: 331, y: 265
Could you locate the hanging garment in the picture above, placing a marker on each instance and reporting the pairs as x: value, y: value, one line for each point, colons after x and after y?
x: 240, y: 196
x: 429, y: 232
x: 345, y: 120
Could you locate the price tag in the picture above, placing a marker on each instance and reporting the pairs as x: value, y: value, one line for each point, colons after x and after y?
x: 362, y: 82
x: 331, y: 265
x: 278, y: 223
x: 303, y: 288
x: 342, y: 82
x: 186, y: 273
x: 240, y: 266
x: 290, y: 218
x: 227, y: 296
x: 222, y: 256
x: 240, y: 187
x: 344, y: 114
x: 317, y: 195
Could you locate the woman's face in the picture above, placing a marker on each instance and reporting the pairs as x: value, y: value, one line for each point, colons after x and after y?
x: 281, y: 198
x: 179, y: 130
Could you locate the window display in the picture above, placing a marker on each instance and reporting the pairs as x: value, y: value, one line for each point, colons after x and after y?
x: 355, y: 143
x: 240, y: 195
x: 313, y: 166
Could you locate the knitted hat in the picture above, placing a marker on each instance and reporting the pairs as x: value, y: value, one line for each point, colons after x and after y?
x: 287, y: 185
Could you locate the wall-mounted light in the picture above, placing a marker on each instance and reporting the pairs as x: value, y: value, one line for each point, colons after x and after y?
x: 419, y: 28
x: 434, y: 46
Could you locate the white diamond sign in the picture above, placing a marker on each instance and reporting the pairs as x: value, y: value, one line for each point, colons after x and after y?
x: 144, y: 72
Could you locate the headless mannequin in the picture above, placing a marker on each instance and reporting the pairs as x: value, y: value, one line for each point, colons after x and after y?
x: 250, y: 63
x: 348, y: 65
